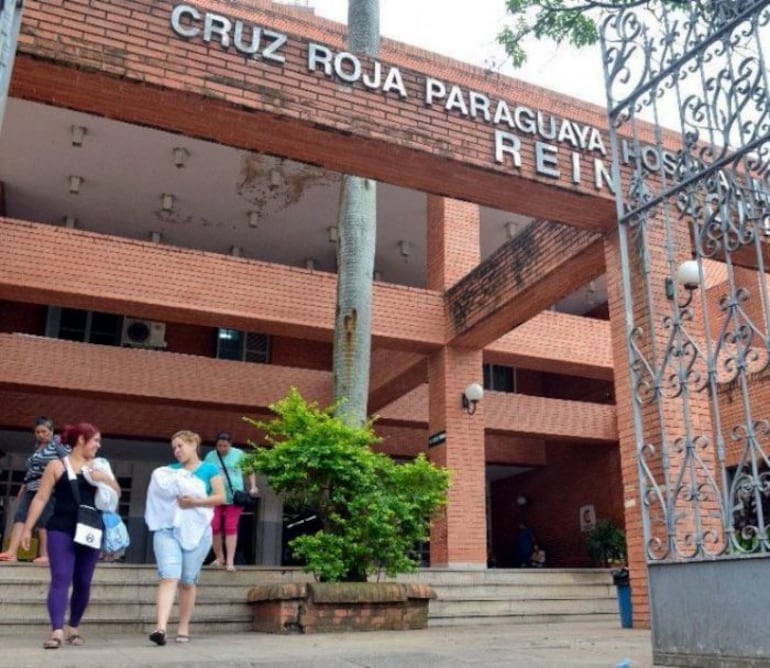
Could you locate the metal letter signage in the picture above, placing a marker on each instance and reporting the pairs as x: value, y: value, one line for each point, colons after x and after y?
x: 261, y: 43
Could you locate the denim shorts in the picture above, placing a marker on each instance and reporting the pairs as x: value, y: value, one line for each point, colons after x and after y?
x: 174, y: 563
x: 22, y: 509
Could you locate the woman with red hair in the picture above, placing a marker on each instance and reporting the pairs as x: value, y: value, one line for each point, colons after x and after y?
x: 71, y: 564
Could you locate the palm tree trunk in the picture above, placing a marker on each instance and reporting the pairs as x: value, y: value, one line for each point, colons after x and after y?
x: 357, y: 223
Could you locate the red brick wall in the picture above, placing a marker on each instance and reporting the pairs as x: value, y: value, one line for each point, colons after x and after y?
x: 289, y: 351
x: 186, y: 286
x: 319, y: 120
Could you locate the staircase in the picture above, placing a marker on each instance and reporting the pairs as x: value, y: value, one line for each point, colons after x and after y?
x: 519, y: 596
x: 123, y: 597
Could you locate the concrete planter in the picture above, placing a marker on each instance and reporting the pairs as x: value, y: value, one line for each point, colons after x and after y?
x: 334, y: 606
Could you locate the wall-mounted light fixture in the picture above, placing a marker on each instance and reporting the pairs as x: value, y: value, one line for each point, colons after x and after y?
x: 510, y: 230
x: 235, y: 251
x: 75, y: 183
x: 471, y: 396
x: 70, y: 222
x: 155, y: 237
x: 688, y: 276
x: 377, y: 275
x: 333, y: 234
x: 309, y: 263
x: 167, y: 202
x: 404, y: 247
x: 180, y: 157
x: 522, y: 501
x: 77, y: 133
x: 253, y: 219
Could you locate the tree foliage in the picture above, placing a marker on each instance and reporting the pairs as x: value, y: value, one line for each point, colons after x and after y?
x: 572, y: 21
x: 372, y: 510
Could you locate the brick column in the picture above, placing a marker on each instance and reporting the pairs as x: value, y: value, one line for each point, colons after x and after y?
x: 459, y: 536
x: 662, y: 420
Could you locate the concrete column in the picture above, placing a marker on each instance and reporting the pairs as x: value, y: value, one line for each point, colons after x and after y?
x: 459, y: 536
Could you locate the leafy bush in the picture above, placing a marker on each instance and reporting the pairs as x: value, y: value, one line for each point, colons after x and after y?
x: 372, y: 510
x: 606, y: 544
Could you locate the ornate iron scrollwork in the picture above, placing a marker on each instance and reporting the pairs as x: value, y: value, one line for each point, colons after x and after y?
x: 695, y: 358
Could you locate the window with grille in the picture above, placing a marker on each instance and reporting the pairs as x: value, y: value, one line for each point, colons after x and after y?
x: 233, y: 344
x: 88, y: 326
x: 499, y: 378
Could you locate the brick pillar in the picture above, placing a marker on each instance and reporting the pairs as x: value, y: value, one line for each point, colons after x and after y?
x: 662, y: 421
x: 637, y: 565
x: 459, y: 536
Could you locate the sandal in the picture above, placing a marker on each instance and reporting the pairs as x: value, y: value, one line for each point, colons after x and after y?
x: 182, y: 638
x: 158, y: 637
x: 230, y: 569
x: 76, y: 640
x: 52, y: 643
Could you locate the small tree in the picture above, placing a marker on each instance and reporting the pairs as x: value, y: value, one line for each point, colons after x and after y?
x: 373, y: 511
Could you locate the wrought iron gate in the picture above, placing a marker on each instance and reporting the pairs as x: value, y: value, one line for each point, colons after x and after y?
x: 688, y: 96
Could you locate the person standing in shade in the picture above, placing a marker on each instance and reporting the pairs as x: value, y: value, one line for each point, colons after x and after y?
x: 180, y: 502
x: 226, y: 516
x: 71, y: 564
x: 525, y: 543
x: 47, y: 448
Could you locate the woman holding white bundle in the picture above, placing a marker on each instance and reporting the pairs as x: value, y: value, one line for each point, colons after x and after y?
x: 180, y: 504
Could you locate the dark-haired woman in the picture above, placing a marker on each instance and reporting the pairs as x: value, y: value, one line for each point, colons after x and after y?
x: 47, y: 448
x: 71, y: 564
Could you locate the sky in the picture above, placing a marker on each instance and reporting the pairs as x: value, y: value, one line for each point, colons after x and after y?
x: 467, y: 31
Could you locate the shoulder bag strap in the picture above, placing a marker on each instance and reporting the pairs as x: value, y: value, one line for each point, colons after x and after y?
x: 227, y: 474
x: 72, y: 478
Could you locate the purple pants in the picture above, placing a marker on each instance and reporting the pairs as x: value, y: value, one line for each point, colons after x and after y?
x: 73, y: 564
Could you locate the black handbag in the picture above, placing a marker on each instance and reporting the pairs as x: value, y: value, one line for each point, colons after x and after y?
x: 240, y: 498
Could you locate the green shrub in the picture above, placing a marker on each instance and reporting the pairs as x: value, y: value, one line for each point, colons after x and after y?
x: 606, y: 544
x: 373, y: 511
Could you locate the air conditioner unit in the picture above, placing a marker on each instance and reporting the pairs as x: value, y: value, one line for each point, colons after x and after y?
x: 139, y: 333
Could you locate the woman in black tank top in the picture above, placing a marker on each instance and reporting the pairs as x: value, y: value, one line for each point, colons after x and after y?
x: 71, y: 564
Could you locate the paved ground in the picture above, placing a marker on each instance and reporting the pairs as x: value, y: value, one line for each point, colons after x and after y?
x: 510, y: 646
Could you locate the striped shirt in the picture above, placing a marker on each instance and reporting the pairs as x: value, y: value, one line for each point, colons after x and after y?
x: 39, y: 459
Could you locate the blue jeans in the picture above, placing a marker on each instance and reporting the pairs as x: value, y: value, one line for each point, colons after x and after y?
x: 174, y: 563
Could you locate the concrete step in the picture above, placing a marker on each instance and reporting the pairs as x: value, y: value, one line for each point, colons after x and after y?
x: 522, y: 576
x: 445, y: 608
x: 608, y: 621
x: 123, y: 596
x: 523, y: 592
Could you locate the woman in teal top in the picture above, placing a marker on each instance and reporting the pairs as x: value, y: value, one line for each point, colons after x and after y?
x: 227, y: 459
x: 180, y: 502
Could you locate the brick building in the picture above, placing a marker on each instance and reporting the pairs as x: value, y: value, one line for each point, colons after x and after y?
x: 168, y: 192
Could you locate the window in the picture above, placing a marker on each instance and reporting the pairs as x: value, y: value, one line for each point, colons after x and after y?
x: 499, y: 378
x: 233, y: 344
x: 74, y: 324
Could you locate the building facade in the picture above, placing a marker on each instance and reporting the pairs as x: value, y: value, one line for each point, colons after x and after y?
x: 169, y: 176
